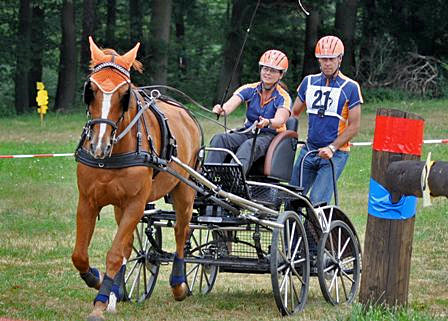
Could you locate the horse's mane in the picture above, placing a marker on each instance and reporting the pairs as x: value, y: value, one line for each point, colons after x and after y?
x: 137, y: 65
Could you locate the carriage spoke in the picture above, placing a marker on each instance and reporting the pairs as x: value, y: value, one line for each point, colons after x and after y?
x: 337, y: 287
x: 343, y: 287
x: 339, y: 243
x: 344, y: 247
x: 132, y: 269
x: 348, y: 276
x: 135, y: 282
x: 291, y: 238
x: 145, y: 278
x: 285, y: 297
x: 291, y: 292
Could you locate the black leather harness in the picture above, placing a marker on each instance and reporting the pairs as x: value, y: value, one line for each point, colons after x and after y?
x: 139, y: 157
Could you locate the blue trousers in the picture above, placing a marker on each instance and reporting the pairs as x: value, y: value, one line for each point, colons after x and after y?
x: 241, y: 145
x: 317, y: 174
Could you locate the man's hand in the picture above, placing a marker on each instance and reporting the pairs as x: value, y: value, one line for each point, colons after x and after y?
x: 325, y: 152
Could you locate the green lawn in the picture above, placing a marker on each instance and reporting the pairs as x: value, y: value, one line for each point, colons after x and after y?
x: 38, y: 200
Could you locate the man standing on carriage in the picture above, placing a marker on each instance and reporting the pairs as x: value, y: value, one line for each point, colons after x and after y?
x: 266, y: 101
x: 333, y: 104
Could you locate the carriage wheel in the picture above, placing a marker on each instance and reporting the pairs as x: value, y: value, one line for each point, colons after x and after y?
x: 290, y: 264
x: 338, y: 264
x: 200, y: 277
x: 142, y: 267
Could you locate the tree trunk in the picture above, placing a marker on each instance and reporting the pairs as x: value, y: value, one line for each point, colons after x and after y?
x: 345, y: 25
x: 369, y: 27
x: 23, y: 63
x: 37, y: 48
x: 135, y: 23
x: 65, y: 92
x: 310, y: 64
x: 160, y: 33
x: 88, y: 29
x: 111, y: 24
x: 230, y: 75
x: 179, y: 13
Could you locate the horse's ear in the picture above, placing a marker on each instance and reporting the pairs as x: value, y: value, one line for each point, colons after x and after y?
x: 126, y: 100
x: 96, y: 53
x: 130, y: 56
x: 87, y: 93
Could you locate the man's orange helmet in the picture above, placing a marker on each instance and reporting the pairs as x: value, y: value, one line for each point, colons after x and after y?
x: 329, y: 47
x: 274, y: 59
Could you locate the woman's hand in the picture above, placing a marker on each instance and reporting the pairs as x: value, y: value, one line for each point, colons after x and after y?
x: 217, y: 109
x: 263, y: 122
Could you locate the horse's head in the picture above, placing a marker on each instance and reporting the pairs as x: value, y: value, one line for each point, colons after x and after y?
x: 108, y: 95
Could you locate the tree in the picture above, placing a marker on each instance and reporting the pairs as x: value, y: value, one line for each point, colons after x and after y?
x: 111, y: 23
x: 159, y: 44
x: 23, y: 63
x: 230, y: 74
x: 311, y: 34
x: 37, y: 48
x: 345, y: 26
x: 88, y: 29
x: 65, y: 92
x: 135, y: 23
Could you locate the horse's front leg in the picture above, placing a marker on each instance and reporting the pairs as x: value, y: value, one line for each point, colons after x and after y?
x: 85, y: 224
x: 183, y: 198
x: 128, y: 218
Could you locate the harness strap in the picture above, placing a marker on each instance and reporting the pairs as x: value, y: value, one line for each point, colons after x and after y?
x: 103, y: 120
x: 143, y: 158
x: 134, y: 120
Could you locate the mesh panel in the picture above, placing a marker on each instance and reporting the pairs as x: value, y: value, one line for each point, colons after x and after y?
x: 228, y: 177
x: 238, y: 246
x: 268, y: 195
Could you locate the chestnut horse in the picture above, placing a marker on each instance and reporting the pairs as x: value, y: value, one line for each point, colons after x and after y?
x: 117, y: 108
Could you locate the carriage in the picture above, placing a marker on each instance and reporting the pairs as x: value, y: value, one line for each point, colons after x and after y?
x: 259, y: 225
x: 139, y: 146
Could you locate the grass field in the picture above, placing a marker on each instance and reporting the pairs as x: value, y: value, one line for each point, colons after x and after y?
x: 38, y: 200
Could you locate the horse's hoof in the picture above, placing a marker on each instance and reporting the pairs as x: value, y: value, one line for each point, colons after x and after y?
x: 96, y: 315
x: 95, y: 318
x: 180, y: 291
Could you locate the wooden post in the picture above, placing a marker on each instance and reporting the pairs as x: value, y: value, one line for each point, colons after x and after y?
x: 390, y: 225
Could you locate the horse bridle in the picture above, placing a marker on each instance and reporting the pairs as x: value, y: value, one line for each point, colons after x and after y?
x: 122, y: 72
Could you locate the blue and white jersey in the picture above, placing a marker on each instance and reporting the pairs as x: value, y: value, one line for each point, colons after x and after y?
x: 256, y: 107
x: 327, y: 104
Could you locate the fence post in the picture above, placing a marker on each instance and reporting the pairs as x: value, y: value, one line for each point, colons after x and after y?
x: 390, y: 223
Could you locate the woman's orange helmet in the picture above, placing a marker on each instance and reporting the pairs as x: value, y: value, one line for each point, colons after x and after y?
x: 329, y: 47
x: 274, y: 59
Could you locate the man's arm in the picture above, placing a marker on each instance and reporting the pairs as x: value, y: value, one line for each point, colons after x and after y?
x: 298, y: 107
x: 354, y: 122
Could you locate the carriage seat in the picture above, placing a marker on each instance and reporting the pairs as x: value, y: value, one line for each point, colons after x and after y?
x: 278, y: 162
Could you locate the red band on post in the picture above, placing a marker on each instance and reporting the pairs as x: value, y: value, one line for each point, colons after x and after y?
x: 398, y: 135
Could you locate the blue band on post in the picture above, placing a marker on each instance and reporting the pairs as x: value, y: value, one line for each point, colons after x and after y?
x: 380, y: 204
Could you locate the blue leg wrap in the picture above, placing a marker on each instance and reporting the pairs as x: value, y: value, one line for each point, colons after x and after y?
x: 118, y: 286
x: 91, y: 277
x: 177, y: 276
x: 103, y: 293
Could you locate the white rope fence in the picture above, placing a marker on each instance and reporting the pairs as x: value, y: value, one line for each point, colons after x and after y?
x: 427, y: 141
